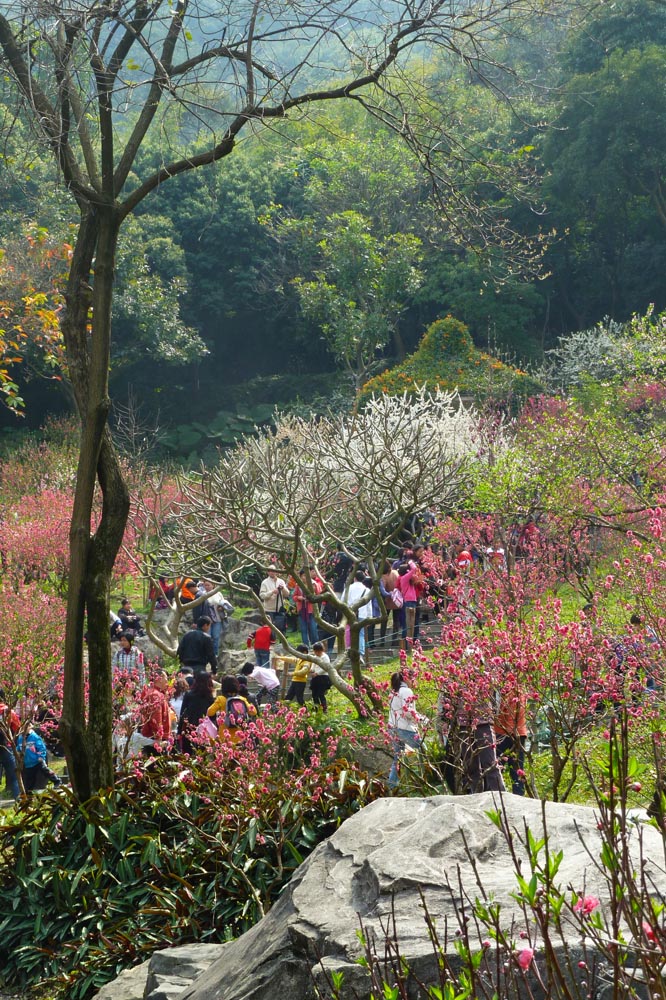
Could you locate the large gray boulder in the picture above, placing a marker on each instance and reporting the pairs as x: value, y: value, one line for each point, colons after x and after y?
x: 377, y: 867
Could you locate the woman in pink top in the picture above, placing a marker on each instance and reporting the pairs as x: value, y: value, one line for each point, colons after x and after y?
x: 388, y: 585
x: 410, y: 597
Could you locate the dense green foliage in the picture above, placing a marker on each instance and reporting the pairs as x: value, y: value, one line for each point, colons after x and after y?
x: 171, y: 854
x: 247, y: 269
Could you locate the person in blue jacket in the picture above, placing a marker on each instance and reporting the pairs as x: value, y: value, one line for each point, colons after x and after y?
x: 36, y: 772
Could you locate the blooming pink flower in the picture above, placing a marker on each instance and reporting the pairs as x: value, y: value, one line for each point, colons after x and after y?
x: 524, y: 958
x: 585, y: 905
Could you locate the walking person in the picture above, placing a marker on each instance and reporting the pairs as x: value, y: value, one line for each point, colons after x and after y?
x: 36, y: 771
x: 403, y: 722
x: 196, y: 649
x: 320, y: 682
x: 360, y: 597
x: 268, y: 680
x: 299, y: 678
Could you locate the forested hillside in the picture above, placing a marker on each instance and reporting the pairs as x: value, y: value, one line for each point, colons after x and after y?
x: 250, y: 283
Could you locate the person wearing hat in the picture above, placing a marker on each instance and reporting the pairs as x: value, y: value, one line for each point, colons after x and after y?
x: 272, y: 594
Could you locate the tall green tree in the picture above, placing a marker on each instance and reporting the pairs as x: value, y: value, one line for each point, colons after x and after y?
x: 606, y: 188
x: 361, y: 285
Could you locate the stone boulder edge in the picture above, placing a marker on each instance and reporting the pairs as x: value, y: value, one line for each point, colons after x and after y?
x: 377, y: 866
x: 165, y: 975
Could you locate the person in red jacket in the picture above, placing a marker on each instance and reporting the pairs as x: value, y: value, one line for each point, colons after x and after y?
x: 156, y: 723
x: 261, y: 641
x: 9, y: 727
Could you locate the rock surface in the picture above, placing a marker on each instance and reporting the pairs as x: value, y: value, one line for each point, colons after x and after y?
x: 165, y: 975
x: 376, y: 868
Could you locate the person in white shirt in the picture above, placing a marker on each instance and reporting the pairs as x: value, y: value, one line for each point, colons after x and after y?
x: 320, y: 682
x: 357, y: 593
x: 403, y: 723
x: 218, y: 609
x: 272, y: 594
x: 267, y: 678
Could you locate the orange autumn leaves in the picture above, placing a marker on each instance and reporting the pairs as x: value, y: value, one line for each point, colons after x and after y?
x: 33, y: 272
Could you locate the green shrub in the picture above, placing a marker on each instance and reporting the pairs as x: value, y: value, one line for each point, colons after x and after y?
x: 189, y: 849
x: 446, y: 359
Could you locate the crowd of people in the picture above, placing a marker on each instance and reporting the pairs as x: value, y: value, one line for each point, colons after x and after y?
x: 483, y: 738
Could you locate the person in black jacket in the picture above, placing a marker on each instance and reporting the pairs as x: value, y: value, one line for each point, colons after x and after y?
x: 196, y: 649
x: 129, y: 617
x: 196, y: 703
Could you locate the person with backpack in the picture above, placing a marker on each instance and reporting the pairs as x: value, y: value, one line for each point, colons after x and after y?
x: 233, y: 710
x: 217, y: 608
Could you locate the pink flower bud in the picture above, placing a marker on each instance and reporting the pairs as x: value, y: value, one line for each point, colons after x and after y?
x: 524, y: 958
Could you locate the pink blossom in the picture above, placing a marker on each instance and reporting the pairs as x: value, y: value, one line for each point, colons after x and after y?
x: 524, y: 958
x: 586, y: 905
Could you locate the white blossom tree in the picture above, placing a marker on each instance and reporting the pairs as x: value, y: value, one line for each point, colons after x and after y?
x: 291, y: 494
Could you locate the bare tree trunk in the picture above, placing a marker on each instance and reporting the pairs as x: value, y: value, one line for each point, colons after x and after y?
x: 87, y: 741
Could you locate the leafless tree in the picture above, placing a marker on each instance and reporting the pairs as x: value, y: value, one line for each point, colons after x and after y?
x: 95, y: 79
x: 290, y: 495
